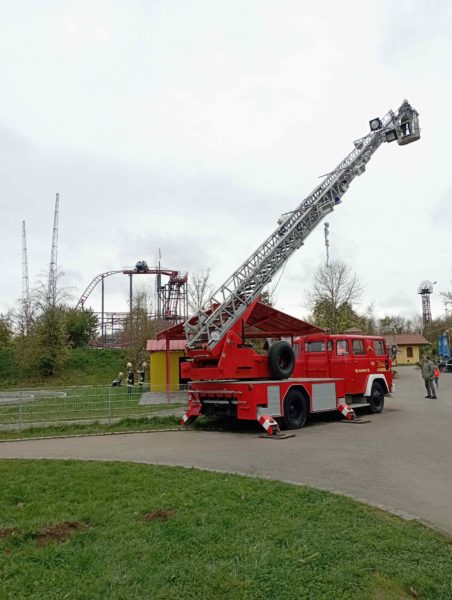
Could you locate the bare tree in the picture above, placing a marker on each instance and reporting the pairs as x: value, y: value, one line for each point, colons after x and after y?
x: 140, y: 326
x: 199, y: 289
x: 337, y: 284
x: 331, y: 301
x: 447, y: 301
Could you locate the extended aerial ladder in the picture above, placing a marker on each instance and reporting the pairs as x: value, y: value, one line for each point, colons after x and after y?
x: 211, y: 323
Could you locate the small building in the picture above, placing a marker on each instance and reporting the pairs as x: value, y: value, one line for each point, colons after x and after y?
x: 157, y: 362
x: 408, y: 347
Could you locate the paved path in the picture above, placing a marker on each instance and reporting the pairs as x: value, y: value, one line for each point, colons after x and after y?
x: 401, y: 460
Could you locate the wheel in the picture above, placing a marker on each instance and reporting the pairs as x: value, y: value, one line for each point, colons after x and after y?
x: 377, y: 399
x: 295, y: 410
x: 281, y: 360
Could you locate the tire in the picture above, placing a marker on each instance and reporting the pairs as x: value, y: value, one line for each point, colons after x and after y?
x: 281, y: 360
x: 295, y: 410
x: 377, y: 399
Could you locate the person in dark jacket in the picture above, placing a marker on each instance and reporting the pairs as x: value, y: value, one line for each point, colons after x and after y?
x: 130, y: 377
x: 428, y: 373
x: 406, y: 114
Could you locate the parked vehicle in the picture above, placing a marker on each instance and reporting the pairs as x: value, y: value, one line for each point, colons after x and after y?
x: 445, y: 367
x: 315, y: 373
x: 226, y: 373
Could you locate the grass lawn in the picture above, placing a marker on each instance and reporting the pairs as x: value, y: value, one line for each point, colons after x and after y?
x: 124, y: 425
x: 90, y: 530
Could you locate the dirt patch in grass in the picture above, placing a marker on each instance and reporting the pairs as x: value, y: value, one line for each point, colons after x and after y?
x: 59, y: 532
x: 8, y: 532
x: 159, y: 515
x: 387, y: 589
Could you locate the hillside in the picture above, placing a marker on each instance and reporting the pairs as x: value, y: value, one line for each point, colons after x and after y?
x: 84, y: 367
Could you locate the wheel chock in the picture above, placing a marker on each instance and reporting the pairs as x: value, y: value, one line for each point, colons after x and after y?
x: 278, y: 436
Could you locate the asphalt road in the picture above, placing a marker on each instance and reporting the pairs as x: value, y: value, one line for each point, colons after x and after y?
x: 401, y: 460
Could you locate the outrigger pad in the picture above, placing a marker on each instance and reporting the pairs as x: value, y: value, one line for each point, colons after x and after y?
x: 278, y: 436
x: 356, y: 421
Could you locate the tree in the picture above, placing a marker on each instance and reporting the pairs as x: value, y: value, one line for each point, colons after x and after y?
x: 49, y: 349
x: 390, y: 324
x: 44, y: 350
x: 266, y: 297
x: 336, y: 289
x: 199, y: 289
x: 81, y: 327
x: 335, y: 318
x: 139, y: 326
x: 368, y: 321
x: 6, y: 329
x: 447, y: 300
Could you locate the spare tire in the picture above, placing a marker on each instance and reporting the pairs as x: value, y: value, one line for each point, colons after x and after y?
x: 281, y: 360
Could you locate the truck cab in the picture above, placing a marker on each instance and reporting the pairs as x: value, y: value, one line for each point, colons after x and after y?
x: 361, y: 360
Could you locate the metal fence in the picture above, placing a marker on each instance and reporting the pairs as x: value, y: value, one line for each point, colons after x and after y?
x: 87, y: 404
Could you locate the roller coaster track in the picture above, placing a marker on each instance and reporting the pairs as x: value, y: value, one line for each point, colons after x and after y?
x: 173, y: 275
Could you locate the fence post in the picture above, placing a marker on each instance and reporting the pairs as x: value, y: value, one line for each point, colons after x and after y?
x: 109, y: 406
x: 21, y: 412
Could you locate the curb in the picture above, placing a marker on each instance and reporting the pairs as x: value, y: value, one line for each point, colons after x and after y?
x: 78, y: 435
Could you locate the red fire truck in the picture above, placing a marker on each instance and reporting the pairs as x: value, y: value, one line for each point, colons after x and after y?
x: 309, y: 371
x: 229, y: 369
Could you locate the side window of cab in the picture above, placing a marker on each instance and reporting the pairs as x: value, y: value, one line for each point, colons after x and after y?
x: 358, y: 348
x: 315, y: 346
x: 379, y: 348
x: 342, y: 348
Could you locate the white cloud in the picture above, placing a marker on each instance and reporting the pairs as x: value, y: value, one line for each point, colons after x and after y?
x: 191, y: 126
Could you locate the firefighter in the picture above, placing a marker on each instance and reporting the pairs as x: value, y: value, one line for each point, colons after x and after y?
x: 141, y: 374
x: 406, y: 114
x: 117, y: 382
x: 130, y: 377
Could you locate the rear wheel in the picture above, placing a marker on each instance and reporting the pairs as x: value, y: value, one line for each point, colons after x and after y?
x: 281, y: 360
x: 377, y: 399
x: 295, y: 410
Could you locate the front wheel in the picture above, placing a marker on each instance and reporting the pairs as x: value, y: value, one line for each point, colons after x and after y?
x: 295, y: 410
x: 377, y: 399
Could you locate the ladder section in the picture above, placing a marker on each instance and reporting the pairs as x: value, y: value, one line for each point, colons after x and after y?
x: 231, y: 299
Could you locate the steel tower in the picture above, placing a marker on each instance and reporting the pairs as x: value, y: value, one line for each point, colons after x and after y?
x: 425, y: 289
x: 52, y: 283
x: 25, y: 284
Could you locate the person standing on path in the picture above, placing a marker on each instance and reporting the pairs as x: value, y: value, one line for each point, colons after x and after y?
x: 428, y: 373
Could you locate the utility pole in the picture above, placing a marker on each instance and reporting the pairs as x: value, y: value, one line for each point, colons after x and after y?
x: 52, y: 283
x: 25, y: 284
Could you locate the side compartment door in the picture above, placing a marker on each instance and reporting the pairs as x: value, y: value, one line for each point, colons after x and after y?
x: 316, y: 360
x: 342, y: 364
x: 360, y: 366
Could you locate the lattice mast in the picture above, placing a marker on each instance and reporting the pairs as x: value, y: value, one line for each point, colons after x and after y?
x: 52, y: 282
x: 231, y: 299
x: 25, y: 284
x: 425, y: 289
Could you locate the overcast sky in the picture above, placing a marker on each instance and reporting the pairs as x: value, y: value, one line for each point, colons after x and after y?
x: 192, y: 125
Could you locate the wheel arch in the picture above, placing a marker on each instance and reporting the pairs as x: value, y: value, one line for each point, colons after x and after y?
x: 300, y: 388
x: 376, y: 378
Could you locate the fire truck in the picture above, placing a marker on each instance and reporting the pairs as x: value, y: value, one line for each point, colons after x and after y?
x: 236, y: 368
